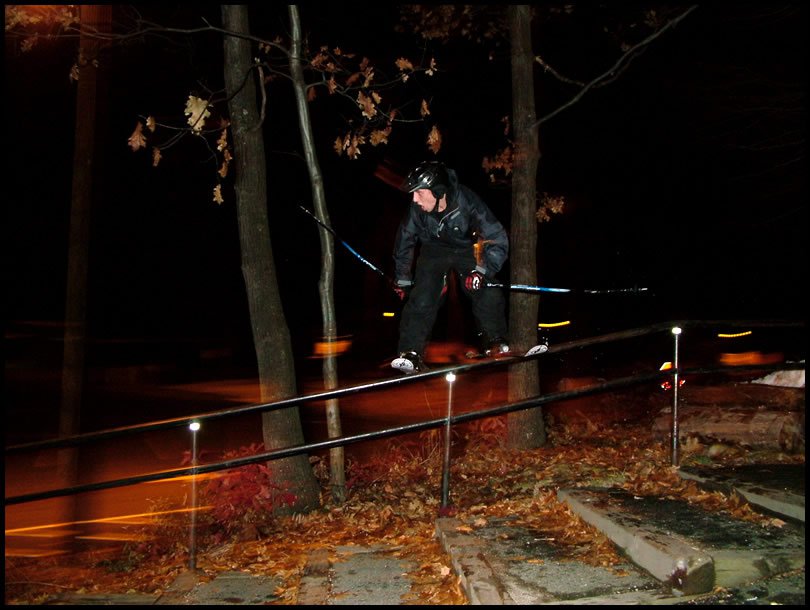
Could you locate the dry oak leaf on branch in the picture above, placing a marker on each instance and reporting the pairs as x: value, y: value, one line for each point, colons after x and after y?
x: 137, y: 140
x: 351, y: 144
x: 368, y: 104
x: 380, y: 136
x: 434, y: 140
x: 197, y: 111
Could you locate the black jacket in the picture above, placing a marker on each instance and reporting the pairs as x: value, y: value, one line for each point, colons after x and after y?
x: 466, y: 219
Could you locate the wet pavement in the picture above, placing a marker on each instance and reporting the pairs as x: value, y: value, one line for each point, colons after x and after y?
x: 677, y: 554
x: 776, y: 490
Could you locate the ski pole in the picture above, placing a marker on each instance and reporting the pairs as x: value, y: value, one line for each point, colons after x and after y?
x: 517, y: 287
x: 525, y: 288
x: 528, y: 288
x: 634, y: 290
x: 348, y: 247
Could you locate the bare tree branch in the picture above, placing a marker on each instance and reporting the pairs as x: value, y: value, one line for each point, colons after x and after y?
x: 631, y: 53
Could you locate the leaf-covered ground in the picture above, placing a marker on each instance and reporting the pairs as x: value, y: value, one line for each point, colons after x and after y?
x: 394, y: 500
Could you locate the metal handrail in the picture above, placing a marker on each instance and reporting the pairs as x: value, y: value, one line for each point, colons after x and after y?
x: 395, y: 431
x: 180, y: 422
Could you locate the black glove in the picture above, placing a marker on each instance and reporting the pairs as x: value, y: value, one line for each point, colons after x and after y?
x: 475, y: 280
x: 403, y: 289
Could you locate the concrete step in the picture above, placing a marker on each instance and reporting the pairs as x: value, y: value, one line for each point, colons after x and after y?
x: 504, y: 563
x: 676, y: 551
x: 776, y: 489
x: 684, y: 546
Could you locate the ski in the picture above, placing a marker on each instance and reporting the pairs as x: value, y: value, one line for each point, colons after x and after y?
x: 404, y: 366
x: 540, y: 348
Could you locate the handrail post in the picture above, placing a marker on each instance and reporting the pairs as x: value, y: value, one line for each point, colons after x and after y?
x: 450, y: 377
x: 676, y: 333
x: 192, y: 547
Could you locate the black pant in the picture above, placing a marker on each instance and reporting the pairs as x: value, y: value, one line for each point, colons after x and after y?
x: 419, y: 313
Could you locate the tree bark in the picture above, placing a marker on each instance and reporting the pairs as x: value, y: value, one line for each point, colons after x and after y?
x: 526, y: 429
x: 271, y: 336
x: 326, y: 283
x: 95, y: 17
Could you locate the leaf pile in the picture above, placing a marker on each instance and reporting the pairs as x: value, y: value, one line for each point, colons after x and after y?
x: 394, y: 500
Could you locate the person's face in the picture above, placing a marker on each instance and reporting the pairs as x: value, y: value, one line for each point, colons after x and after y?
x: 424, y: 199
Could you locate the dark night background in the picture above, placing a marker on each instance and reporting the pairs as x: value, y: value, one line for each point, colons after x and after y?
x: 687, y: 176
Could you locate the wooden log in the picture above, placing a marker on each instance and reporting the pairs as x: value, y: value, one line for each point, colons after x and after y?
x: 743, y: 394
x: 755, y: 427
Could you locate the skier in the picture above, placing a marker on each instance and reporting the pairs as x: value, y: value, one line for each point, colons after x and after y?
x: 447, y: 219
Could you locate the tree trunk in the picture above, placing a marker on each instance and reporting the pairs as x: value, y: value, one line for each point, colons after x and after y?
x: 96, y: 17
x: 326, y: 284
x: 526, y: 429
x: 271, y: 336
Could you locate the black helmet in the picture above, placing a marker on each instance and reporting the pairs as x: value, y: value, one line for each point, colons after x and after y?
x: 428, y: 175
